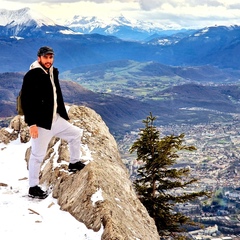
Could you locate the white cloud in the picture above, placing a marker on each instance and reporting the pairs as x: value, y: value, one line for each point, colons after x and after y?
x: 187, y: 13
x: 149, y: 5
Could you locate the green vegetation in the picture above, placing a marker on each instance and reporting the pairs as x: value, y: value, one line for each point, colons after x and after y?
x: 131, y: 79
x: 158, y: 182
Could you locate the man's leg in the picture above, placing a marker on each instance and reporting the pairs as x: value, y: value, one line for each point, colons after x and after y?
x: 38, y: 152
x: 72, y: 134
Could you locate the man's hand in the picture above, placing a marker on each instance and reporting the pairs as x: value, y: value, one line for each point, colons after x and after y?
x: 33, y: 131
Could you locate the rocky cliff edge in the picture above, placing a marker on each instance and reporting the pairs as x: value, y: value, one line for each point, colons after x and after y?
x: 118, y: 210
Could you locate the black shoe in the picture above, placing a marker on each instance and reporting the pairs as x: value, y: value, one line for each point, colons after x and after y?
x: 37, y: 192
x: 73, y: 167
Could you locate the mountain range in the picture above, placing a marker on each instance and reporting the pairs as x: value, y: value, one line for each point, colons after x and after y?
x: 122, y: 27
x: 116, y: 111
x: 185, y: 102
x: 17, y: 22
x: 27, y: 23
x: 23, y: 31
x: 127, y: 78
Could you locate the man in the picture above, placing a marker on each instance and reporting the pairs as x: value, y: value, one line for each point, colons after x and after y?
x: 46, y: 116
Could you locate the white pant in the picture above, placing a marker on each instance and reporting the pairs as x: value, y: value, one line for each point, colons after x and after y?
x: 62, y: 129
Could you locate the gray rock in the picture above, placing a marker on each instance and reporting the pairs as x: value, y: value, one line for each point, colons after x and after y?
x: 119, y: 211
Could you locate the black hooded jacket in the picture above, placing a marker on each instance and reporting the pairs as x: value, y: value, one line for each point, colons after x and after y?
x: 38, y: 99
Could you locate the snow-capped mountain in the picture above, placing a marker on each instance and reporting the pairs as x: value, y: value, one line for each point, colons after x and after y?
x: 120, y: 27
x: 26, y: 22
x: 218, y: 45
x: 29, y: 23
x: 23, y: 16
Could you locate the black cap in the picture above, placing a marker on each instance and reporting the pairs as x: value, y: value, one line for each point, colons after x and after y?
x: 44, y: 51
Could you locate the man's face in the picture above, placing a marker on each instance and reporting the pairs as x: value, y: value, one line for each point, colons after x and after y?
x: 46, y: 61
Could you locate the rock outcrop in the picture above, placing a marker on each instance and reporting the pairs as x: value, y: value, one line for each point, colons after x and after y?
x: 118, y: 210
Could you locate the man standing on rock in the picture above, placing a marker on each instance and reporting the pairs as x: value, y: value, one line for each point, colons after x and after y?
x: 46, y: 116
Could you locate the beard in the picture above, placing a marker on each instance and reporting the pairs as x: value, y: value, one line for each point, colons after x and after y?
x: 44, y: 65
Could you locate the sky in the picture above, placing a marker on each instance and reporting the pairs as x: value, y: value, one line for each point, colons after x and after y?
x: 185, y: 13
x: 26, y: 218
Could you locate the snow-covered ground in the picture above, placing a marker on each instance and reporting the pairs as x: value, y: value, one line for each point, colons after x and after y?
x: 24, y: 218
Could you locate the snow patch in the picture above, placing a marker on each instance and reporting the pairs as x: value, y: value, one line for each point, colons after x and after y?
x: 26, y: 218
x: 97, y: 196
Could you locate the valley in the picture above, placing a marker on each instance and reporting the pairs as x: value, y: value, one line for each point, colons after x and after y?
x: 146, y: 80
x: 216, y: 165
x: 206, y: 111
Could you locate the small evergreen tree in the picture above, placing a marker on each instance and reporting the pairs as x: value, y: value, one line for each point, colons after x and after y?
x: 157, y: 179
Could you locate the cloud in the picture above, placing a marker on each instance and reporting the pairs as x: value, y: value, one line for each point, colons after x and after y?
x: 207, y: 3
x: 234, y: 6
x: 149, y: 5
x: 146, y: 5
x: 185, y: 13
x: 70, y: 1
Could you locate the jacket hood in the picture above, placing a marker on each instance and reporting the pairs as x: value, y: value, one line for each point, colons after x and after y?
x: 36, y: 64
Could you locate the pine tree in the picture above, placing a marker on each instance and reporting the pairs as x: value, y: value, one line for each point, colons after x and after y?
x: 157, y: 180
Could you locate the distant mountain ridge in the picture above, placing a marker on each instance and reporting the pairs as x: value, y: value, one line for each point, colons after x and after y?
x: 121, y: 27
x: 189, y: 102
x: 23, y: 16
x: 20, y: 23
x: 27, y: 23
x: 196, y: 57
x: 115, y: 110
x: 217, y: 46
x: 138, y: 72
